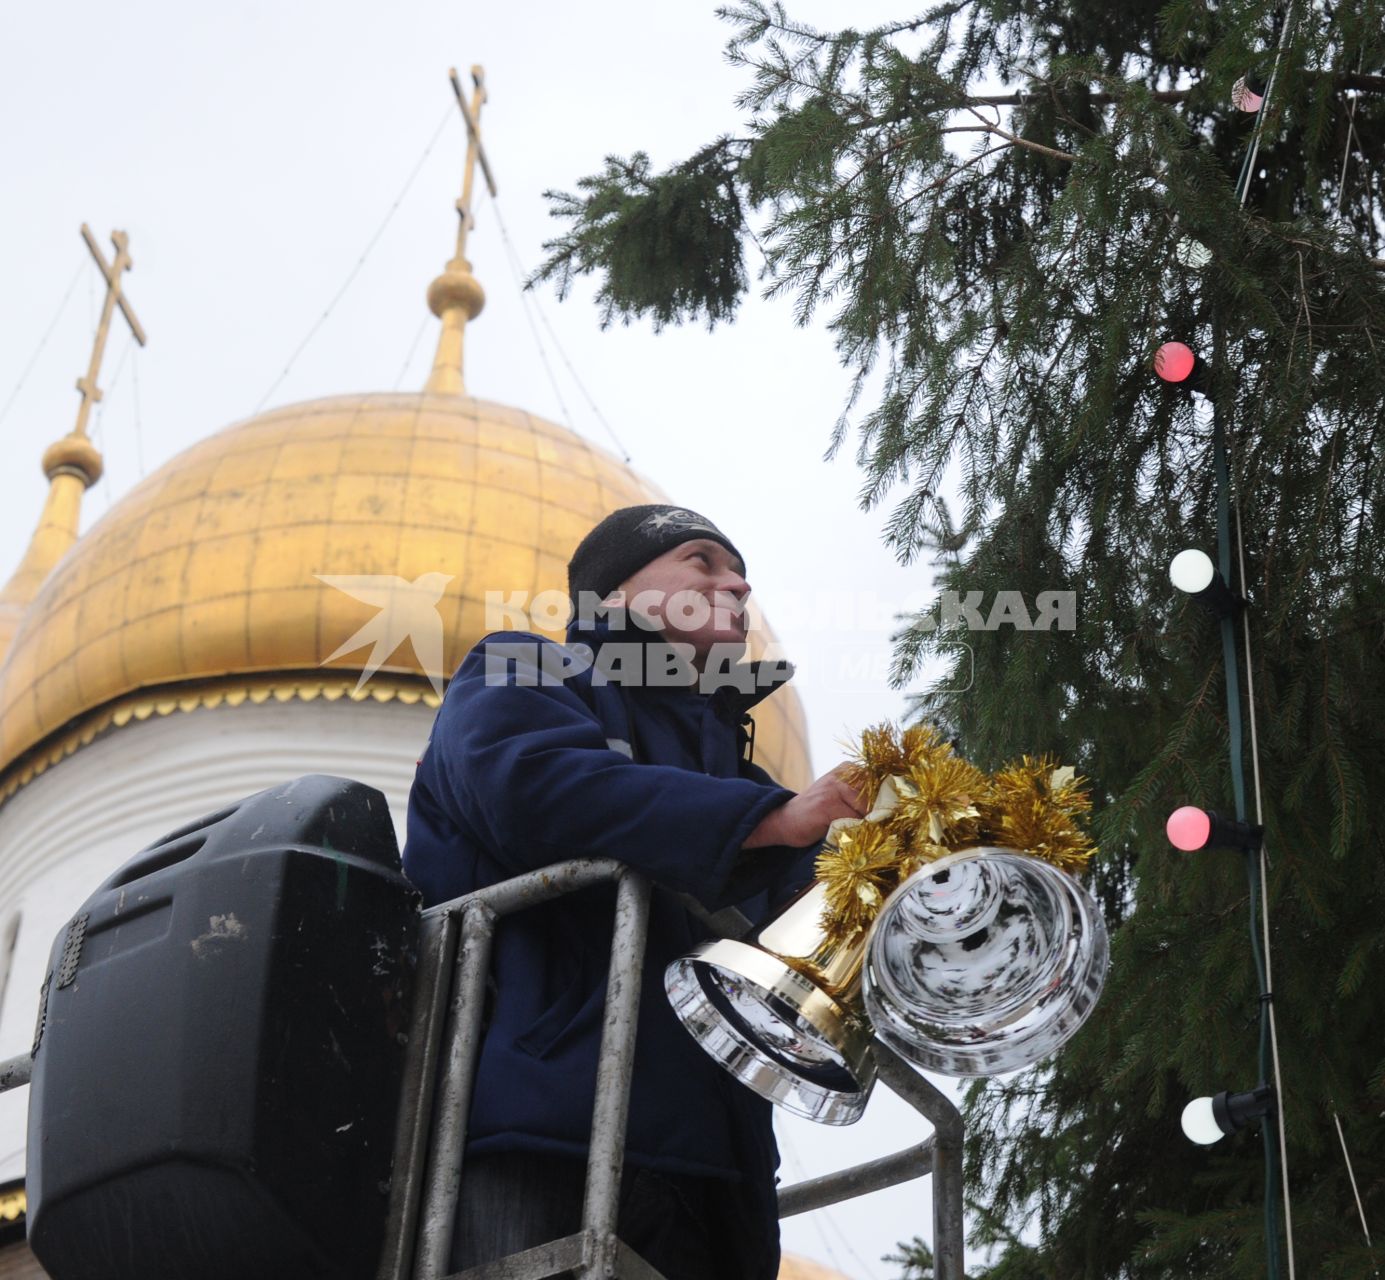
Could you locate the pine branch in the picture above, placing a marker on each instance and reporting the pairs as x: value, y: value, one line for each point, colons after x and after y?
x: 1015, y: 139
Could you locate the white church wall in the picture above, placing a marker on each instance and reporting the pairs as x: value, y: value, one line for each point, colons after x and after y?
x: 71, y: 827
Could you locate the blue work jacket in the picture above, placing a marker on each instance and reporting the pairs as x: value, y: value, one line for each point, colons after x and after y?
x: 522, y: 771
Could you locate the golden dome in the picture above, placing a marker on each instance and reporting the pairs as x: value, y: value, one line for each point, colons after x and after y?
x: 208, y: 568
x: 204, y: 583
x: 792, y: 1267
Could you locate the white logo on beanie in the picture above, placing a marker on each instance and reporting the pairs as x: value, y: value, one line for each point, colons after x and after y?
x: 679, y: 519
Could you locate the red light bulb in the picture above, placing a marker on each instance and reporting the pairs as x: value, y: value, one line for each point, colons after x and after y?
x: 1174, y: 361
x: 1188, y: 828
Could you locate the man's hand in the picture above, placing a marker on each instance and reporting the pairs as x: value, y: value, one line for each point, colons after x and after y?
x: 804, y: 820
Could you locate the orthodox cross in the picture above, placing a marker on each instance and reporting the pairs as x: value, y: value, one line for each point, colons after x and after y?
x: 113, y: 271
x: 471, y: 113
x: 456, y: 296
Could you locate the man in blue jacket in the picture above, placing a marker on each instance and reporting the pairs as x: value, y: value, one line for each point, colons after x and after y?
x: 628, y: 743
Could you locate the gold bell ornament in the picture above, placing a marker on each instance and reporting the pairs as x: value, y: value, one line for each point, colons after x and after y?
x: 947, y: 922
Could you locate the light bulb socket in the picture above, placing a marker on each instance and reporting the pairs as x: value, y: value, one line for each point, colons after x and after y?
x: 1218, y: 598
x: 1232, y: 833
x: 1200, y: 379
x: 1234, y: 1111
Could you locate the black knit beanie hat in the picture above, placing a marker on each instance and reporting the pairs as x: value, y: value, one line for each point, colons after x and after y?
x: 628, y: 539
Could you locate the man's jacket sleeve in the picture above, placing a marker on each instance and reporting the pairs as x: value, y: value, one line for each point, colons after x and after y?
x: 529, y: 765
x: 782, y: 869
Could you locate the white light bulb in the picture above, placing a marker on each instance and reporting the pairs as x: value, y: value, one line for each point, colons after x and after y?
x: 1199, y: 1124
x: 1192, y: 571
x: 1192, y: 253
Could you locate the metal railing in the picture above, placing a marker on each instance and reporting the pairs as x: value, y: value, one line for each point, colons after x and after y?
x: 454, y: 959
x: 16, y: 1071
x: 440, y: 1067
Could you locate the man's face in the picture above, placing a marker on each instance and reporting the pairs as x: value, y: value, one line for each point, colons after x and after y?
x: 695, y: 593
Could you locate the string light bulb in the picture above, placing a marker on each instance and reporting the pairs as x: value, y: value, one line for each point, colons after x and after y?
x: 1188, y: 828
x: 1178, y: 363
x: 1192, y: 571
x: 1200, y: 1124
x: 1192, y: 830
x: 1209, y: 1120
x: 1248, y: 93
x: 1191, y: 253
x: 1174, y: 361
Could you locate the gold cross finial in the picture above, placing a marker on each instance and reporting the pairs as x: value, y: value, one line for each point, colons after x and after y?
x: 456, y: 296
x: 91, y: 393
x: 474, y: 149
x: 72, y: 464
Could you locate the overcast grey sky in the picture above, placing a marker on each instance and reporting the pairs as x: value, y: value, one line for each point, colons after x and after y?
x: 252, y: 151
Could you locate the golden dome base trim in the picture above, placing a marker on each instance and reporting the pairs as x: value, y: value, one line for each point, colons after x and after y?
x: 231, y: 691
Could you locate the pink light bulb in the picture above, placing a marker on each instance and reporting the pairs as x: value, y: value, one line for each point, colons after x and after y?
x: 1188, y: 828
x: 1244, y: 98
x: 1174, y: 361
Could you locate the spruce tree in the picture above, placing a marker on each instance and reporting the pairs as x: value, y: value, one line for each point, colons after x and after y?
x: 996, y: 205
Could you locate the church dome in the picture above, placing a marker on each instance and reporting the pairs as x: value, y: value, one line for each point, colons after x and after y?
x: 793, y: 1267
x: 204, y: 576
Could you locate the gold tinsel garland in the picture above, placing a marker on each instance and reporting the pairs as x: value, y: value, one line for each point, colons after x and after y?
x: 925, y: 802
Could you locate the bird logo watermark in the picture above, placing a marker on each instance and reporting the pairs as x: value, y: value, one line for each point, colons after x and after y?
x: 407, y: 611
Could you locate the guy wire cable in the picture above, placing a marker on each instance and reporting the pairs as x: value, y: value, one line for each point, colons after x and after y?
x: 1346, y: 154
x: 139, y: 442
x: 1351, y: 1173
x: 1346, y: 150
x: 42, y: 342
x: 413, y: 350
x: 518, y: 267
x: 1247, y: 167
x: 361, y: 261
x: 819, y: 1216
x: 98, y: 423
x: 517, y: 275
